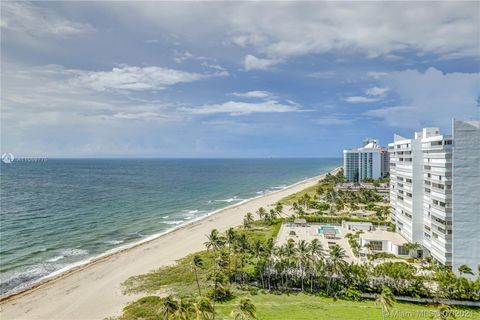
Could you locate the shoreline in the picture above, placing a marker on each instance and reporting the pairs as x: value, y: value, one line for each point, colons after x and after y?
x: 116, y: 253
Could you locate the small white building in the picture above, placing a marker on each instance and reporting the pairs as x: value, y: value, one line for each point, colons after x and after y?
x: 357, y: 226
x: 385, y: 241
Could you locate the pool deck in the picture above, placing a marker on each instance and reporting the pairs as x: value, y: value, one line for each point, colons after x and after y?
x: 309, y: 232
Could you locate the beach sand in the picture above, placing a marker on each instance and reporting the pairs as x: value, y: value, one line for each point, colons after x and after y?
x: 93, y: 291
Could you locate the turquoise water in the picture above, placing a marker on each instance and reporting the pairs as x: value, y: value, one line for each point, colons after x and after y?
x: 60, y: 212
x: 323, y: 228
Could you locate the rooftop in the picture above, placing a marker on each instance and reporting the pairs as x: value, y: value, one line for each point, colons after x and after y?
x: 379, y: 235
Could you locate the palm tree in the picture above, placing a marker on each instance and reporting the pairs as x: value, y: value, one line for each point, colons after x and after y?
x: 197, y: 263
x: 303, y: 256
x: 279, y: 208
x: 273, y: 214
x: 184, y: 308
x: 257, y: 250
x: 230, y: 236
x: 248, y: 220
x: 464, y: 269
x: 261, y: 213
x: 203, y: 308
x: 214, y: 243
x: 295, y: 207
x: 168, y: 307
x: 336, y: 262
x: 288, y: 253
x: 245, y: 310
x: 316, y: 254
x: 386, y: 300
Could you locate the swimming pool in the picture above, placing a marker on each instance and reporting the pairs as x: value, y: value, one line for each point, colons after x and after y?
x: 323, y: 228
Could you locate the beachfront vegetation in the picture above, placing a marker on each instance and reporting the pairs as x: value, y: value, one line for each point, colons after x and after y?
x: 326, y: 202
x: 245, y: 263
x: 300, y: 306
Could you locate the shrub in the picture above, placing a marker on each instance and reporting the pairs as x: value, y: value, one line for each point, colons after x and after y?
x: 352, y: 294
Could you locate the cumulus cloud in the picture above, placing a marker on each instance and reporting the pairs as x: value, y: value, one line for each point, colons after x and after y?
x: 236, y: 108
x: 21, y: 16
x: 257, y: 94
x: 137, y: 78
x: 373, y: 94
x: 430, y: 98
x: 254, y: 63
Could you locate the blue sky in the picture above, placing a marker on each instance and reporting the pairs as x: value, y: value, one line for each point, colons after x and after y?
x: 212, y: 79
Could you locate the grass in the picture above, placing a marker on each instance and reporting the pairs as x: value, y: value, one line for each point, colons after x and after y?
x: 304, y: 307
x: 178, y: 278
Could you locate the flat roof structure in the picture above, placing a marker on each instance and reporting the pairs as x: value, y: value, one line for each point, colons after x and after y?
x: 380, y: 235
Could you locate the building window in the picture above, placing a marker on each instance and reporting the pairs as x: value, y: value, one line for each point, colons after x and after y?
x: 376, y: 245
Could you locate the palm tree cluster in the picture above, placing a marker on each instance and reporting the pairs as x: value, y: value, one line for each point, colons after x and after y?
x: 268, y: 217
x: 241, y: 258
x: 202, y: 308
x: 335, y: 201
x: 185, y: 308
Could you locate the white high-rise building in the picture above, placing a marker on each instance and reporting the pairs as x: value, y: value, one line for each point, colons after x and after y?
x: 466, y: 194
x: 369, y: 161
x: 433, y: 196
x: 405, y: 177
x: 437, y: 197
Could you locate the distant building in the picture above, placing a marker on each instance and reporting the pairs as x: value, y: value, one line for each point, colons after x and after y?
x: 369, y: 161
x: 434, y: 183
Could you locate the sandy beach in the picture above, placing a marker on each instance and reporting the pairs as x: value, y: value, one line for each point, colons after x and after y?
x: 93, y: 291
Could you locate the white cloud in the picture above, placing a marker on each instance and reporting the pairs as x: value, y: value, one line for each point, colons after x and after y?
x: 182, y: 56
x: 373, y: 94
x: 360, y: 99
x: 287, y: 30
x: 376, y: 91
x: 254, y: 94
x: 236, y: 108
x: 431, y: 98
x: 136, y: 78
x: 254, y: 63
x: 33, y: 20
x: 334, y: 120
x: 136, y: 116
x: 272, y: 33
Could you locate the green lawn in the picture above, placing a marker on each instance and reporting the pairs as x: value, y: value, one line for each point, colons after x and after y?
x: 303, y: 307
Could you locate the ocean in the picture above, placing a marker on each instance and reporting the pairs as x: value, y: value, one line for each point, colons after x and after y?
x: 62, y: 212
